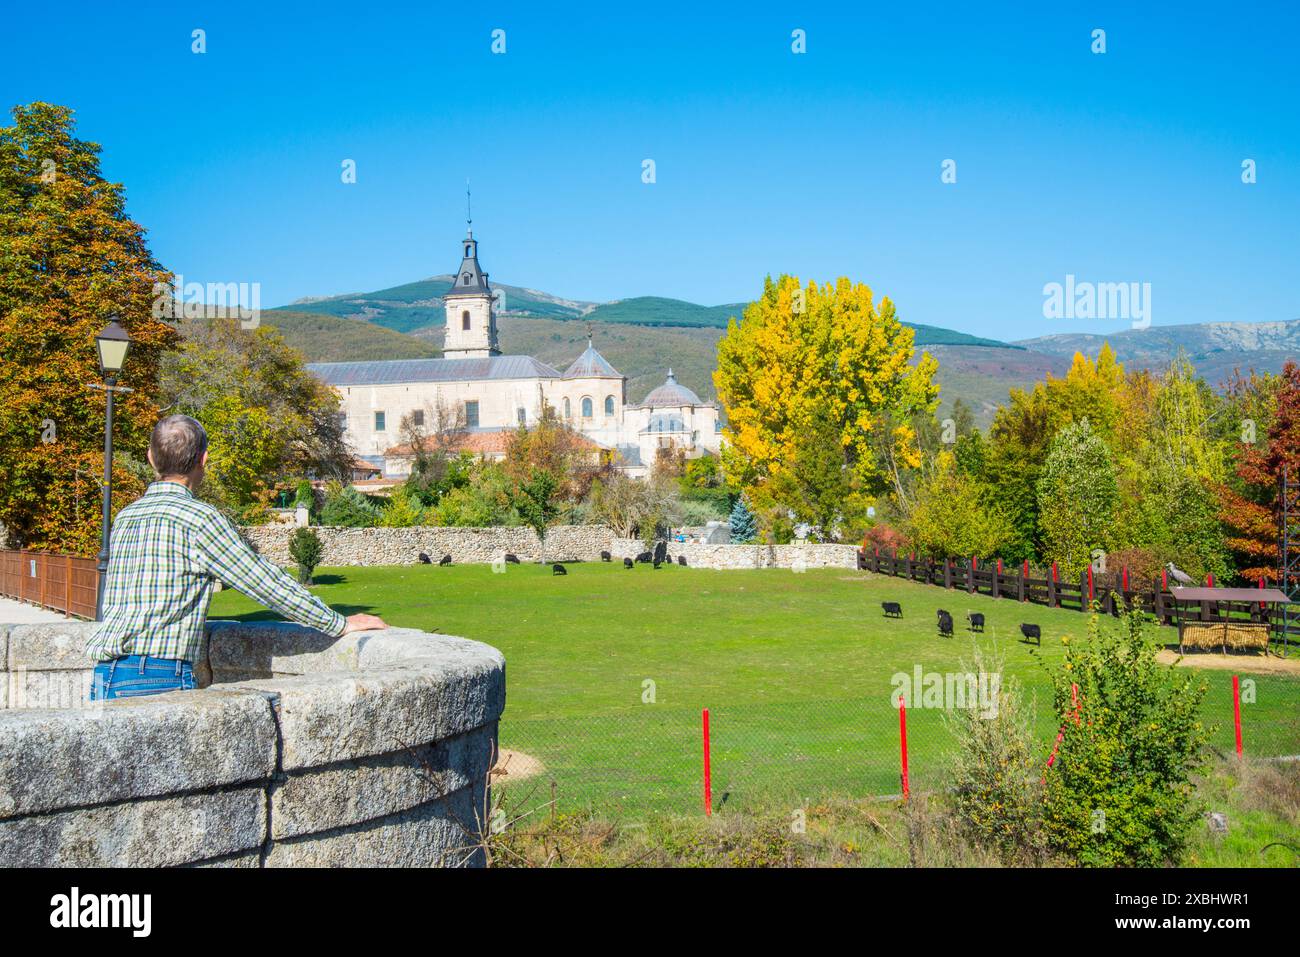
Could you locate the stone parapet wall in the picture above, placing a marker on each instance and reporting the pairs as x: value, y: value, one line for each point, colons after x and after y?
x: 370, y: 750
x: 700, y: 555
x: 402, y: 546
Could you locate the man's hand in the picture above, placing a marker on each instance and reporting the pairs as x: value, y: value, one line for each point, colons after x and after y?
x: 364, y: 623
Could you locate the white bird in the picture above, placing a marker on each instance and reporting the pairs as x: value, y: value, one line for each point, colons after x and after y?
x: 1179, y: 575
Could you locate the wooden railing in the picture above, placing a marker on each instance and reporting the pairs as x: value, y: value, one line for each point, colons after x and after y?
x: 990, y: 578
x: 65, y: 583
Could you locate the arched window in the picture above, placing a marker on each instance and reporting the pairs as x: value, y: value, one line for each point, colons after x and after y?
x: 568, y: 412
x: 464, y: 319
x: 586, y: 407
x: 468, y: 250
x: 609, y: 405
x: 464, y: 280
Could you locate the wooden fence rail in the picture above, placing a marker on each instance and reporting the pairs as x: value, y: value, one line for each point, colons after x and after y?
x: 990, y: 578
x: 65, y: 583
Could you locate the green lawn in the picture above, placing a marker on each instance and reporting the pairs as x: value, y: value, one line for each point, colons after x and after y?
x: 794, y: 668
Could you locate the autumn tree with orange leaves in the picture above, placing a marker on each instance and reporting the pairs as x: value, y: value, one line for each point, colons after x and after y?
x: 70, y: 258
x: 1251, y: 513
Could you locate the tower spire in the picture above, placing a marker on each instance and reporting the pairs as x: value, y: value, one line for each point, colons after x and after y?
x: 469, y: 215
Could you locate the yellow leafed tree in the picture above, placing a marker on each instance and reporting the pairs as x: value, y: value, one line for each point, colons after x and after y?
x: 818, y: 364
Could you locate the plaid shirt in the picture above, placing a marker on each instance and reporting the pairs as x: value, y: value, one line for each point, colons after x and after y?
x: 167, y: 551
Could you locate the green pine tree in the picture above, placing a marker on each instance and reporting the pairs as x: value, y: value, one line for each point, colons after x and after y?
x: 744, y: 528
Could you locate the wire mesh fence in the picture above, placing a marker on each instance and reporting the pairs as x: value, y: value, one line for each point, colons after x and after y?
x: 634, y: 764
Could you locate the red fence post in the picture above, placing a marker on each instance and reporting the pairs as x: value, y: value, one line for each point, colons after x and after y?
x: 1209, y: 579
x: 1236, y: 710
x: 1262, y: 605
x: 1124, y: 586
x: 708, y: 782
x: 902, y: 739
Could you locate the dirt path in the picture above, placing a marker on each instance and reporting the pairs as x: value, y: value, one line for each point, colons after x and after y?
x: 1255, y: 664
x: 514, y: 766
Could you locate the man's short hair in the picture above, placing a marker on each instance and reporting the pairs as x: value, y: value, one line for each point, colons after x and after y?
x: 177, y: 445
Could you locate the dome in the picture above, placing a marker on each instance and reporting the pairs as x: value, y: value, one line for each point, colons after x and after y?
x: 670, y: 395
x: 591, y: 363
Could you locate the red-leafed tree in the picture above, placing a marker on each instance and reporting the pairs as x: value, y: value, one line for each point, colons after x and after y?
x: 1252, y: 512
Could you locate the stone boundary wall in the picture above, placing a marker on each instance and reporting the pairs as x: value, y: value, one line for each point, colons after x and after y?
x: 370, y: 750
x: 564, y: 543
x: 701, y: 555
x: 402, y: 546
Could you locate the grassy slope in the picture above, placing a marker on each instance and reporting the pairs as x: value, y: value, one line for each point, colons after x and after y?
x: 323, y: 338
x: 796, y: 670
x: 641, y: 353
x: 983, y: 377
x: 659, y: 311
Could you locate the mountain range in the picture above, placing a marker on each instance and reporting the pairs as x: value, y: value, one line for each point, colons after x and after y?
x: 645, y: 335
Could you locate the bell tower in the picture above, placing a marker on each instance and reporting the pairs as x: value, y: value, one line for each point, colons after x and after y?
x: 471, y: 313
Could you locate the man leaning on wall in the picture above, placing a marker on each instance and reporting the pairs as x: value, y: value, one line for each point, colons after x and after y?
x: 167, y: 551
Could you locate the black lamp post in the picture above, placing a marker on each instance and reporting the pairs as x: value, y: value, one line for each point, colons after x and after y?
x: 112, y: 343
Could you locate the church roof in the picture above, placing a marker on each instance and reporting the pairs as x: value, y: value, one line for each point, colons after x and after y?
x: 470, y: 279
x: 591, y: 363
x: 671, y: 395
x: 386, y: 372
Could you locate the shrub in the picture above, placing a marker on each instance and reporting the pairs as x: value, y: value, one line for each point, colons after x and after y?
x: 997, y: 794
x: 696, y: 512
x: 488, y: 499
x: 345, y: 507
x: 1120, y: 791
x: 305, y: 496
x: 402, y: 510
x: 886, y: 538
x: 305, y: 548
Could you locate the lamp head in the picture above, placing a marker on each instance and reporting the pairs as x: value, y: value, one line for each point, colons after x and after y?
x: 113, y: 344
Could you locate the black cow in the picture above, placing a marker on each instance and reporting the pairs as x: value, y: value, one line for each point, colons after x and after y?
x: 605, y: 556
x: 661, y: 553
x: 644, y: 558
x: 892, y: 609
x: 445, y: 560
x: 512, y: 559
x: 681, y: 560
x: 945, y: 624
x: 976, y: 620
x: 1032, y: 631
x: 558, y: 570
x: 627, y: 563
x: 425, y: 559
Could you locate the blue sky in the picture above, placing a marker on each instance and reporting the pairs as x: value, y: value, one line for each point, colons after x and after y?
x: 1118, y: 167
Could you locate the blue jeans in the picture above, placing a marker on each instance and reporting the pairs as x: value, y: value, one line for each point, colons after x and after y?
x: 137, y: 675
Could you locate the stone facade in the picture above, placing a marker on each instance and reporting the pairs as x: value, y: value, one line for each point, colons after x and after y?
x: 370, y: 750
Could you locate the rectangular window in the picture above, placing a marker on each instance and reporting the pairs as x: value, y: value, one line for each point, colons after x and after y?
x: 417, y: 417
x: 523, y: 416
x: 471, y: 415
x: 379, y: 421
